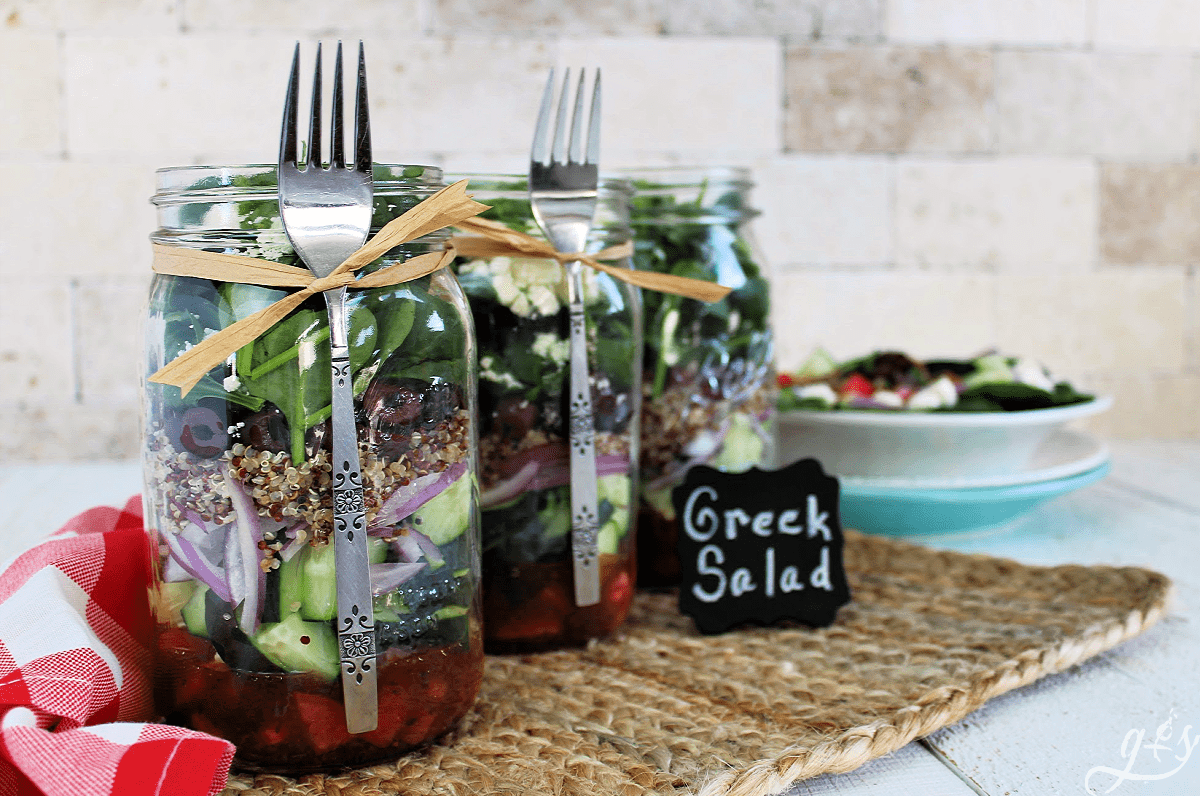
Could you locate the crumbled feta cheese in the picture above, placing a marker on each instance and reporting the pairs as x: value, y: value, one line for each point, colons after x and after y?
x: 552, y: 347
x: 306, y: 354
x: 542, y: 298
x: 820, y: 391
x: 888, y: 398
x: 273, y: 243
x: 487, y: 370
x: 941, y: 393
x: 670, y: 351
x: 527, y: 287
x: 231, y: 383
x: 1029, y: 372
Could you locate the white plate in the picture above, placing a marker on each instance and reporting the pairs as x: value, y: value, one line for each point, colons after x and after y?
x: 1063, y: 454
x: 924, y: 445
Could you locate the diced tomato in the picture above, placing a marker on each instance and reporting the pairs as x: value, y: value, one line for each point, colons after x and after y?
x: 858, y: 385
x: 178, y: 642
x: 202, y: 723
x: 785, y: 380
x: 271, y: 736
x: 325, y: 719
x: 620, y: 590
x: 393, y: 713
x: 196, y: 686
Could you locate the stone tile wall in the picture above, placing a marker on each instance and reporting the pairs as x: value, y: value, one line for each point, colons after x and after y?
x: 941, y: 176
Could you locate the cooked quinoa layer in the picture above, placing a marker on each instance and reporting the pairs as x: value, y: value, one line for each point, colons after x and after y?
x: 676, y: 417
x: 182, y: 481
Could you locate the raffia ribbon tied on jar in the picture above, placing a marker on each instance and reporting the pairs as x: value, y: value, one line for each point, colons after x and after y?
x: 450, y: 206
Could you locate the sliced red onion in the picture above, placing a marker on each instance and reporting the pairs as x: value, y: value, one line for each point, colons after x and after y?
x: 432, y: 554
x: 546, y: 472
x: 406, y: 500
x: 611, y: 464
x: 295, y: 544
x: 859, y: 402
x: 758, y: 426
x: 188, y: 556
x: 388, y: 577
x: 510, y: 488
x: 173, y: 571
x: 247, y: 580
x: 552, y: 473
x: 406, y: 543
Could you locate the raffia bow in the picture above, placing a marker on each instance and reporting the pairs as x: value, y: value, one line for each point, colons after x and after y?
x: 447, y: 207
x: 493, y: 239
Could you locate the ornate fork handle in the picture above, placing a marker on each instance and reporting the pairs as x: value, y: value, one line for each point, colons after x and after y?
x: 355, y: 613
x: 584, y: 497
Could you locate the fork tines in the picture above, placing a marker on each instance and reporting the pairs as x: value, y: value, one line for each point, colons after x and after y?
x: 568, y: 151
x: 362, y: 126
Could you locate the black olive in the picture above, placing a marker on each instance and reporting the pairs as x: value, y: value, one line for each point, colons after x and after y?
x: 394, y: 406
x: 391, y: 411
x: 514, y: 418
x: 439, y: 403
x: 203, y: 431
x: 266, y: 430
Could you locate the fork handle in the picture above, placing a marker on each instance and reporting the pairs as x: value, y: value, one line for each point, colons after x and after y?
x: 355, y: 613
x: 584, y: 498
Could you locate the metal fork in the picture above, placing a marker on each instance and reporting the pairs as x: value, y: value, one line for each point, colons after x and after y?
x: 562, y: 191
x: 326, y: 212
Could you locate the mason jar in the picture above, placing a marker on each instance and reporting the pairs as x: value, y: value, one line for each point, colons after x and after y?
x: 238, y: 489
x: 708, y: 386
x: 521, y: 321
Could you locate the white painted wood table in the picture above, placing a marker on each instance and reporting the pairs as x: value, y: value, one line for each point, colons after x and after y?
x: 1127, y: 718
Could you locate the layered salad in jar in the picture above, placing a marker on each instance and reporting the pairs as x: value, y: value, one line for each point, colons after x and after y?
x: 708, y: 387
x: 521, y: 320
x: 238, y: 487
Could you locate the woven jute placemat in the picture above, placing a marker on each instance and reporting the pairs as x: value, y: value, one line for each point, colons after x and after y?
x: 658, y: 709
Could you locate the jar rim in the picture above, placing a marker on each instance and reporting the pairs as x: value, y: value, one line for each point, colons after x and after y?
x: 694, y: 191
x: 609, y: 184
x: 186, y: 184
x: 685, y: 175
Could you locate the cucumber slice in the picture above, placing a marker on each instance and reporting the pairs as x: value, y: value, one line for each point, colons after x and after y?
x: 609, y: 537
x: 298, y: 646
x: 172, y: 597
x: 195, y: 613
x: 818, y: 365
x: 319, y: 583
x: 448, y: 514
x: 291, y: 585
x: 377, y: 550
x: 450, y: 611
x: 743, y: 447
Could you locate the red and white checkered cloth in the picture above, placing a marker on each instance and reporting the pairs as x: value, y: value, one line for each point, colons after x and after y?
x: 75, y: 689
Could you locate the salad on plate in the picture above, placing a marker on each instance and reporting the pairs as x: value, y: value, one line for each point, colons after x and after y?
x: 894, y: 381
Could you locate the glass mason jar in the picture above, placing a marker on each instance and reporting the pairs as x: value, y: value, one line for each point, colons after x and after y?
x: 708, y: 385
x: 521, y: 322
x: 238, y: 498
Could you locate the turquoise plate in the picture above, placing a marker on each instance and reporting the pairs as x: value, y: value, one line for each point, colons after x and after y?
x: 897, y: 511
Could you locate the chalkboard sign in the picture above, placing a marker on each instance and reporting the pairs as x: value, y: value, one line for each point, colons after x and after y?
x: 760, y: 546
